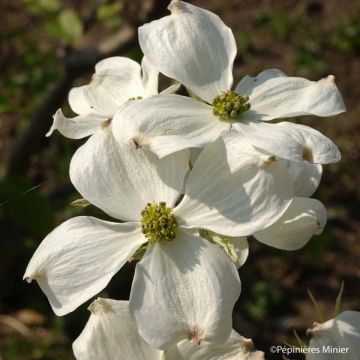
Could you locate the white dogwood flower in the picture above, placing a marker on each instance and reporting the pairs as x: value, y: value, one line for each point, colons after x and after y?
x: 182, y: 278
x: 111, y: 334
x: 116, y: 80
x: 338, y: 338
x: 195, y: 47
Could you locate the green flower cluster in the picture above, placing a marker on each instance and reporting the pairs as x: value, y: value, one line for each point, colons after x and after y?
x: 158, y: 223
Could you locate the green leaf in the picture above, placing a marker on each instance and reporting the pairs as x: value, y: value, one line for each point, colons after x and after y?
x: 41, y: 6
x: 66, y: 26
x: 107, y: 11
x: 71, y: 25
x: 338, y: 302
x: 319, y: 314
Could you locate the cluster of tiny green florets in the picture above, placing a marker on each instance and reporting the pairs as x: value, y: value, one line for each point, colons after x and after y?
x: 229, y: 105
x: 158, y: 223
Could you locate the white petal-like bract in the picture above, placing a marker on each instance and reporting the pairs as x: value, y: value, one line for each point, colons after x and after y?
x: 167, y: 123
x: 241, y: 246
x: 303, y: 219
x: 79, y: 258
x: 111, y: 334
x: 234, y: 190
x: 290, y: 141
x: 274, y: 95
x: 184, y: 289
x: 236, y: 347
x: 150, y: 78
x: 305, y: 177
x: 338, y: 338
x: 192, y: 46
x: 121, y: 180
x: 116, y: 79
x: 77, y: 127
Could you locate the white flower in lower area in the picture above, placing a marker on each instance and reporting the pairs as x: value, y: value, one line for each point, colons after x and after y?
x: 195, y: 47
x: 116, y: 80
x: 338, y: 338
x: 111, y: 334
x: 182, y: 278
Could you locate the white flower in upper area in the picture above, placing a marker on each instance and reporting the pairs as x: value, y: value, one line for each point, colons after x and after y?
x: 111, y: 334
x: 233, y: 189
x: 116, y: 80
x: 194, y: 47
x: 338, y: 338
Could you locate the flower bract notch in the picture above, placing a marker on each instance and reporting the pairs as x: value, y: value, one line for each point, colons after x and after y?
x: 229, y: 105
x: 158, y: 223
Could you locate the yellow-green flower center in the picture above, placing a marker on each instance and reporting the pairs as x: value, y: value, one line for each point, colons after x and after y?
x: 229, y: 105
x: 158, y: 223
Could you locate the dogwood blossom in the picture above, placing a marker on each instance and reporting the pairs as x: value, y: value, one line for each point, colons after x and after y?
x: 338, y: 338
x: 116, y: 80
x: 111, y: 334
x: 195, y: 47
x: 182, y: 278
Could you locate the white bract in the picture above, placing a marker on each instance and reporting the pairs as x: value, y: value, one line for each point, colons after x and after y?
x: 184, y: 287
x: 195, y: 47
x: 305, y: 177
x: 111, y: 334
x: 340, y: 335
x: 236, y: 347
x: 305, y: 217
x: 116, y: 80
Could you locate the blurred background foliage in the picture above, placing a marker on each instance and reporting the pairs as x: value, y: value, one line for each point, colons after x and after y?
x: 48, y: 46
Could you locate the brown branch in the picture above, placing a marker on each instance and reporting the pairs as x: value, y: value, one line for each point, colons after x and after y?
x: 76, y: 63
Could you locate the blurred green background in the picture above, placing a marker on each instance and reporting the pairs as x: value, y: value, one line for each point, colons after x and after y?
x: 48, y: 46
